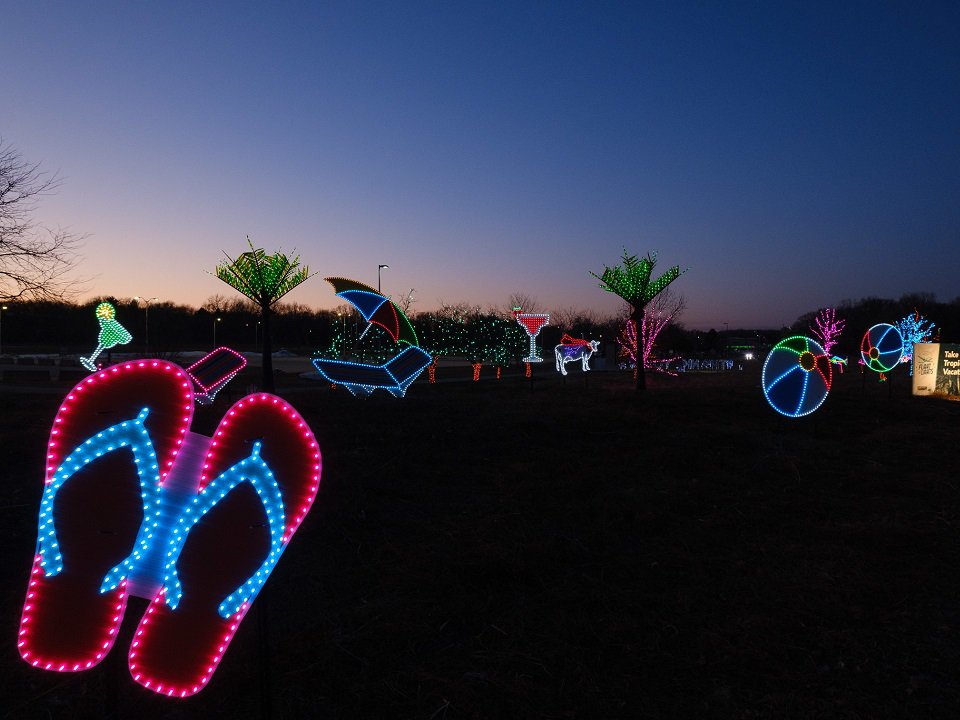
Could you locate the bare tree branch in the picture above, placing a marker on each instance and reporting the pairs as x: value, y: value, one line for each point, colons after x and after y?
x: 35, y: 261
x: 406, y: 302
x: 523, y: 300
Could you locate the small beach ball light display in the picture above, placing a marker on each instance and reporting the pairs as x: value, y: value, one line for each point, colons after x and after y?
x: 797, y: 376
x: 881, y: 348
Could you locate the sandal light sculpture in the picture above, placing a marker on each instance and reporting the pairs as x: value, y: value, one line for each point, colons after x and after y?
x: 189, y: 539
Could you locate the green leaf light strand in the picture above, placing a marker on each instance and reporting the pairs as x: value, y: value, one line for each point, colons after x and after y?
x: 632, y: 281
x: 262, y: 278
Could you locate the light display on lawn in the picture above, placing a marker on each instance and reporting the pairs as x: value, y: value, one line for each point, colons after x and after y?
x: 827, y: 328
x: 631, y: 281
x: 376, y: 309
x: 571, y: 349
x: 264, y: 279
x: 796, y: 376
x: 881, y: 348
x: 475, y: 336
x: 213, y: 371
x: 127, y: 434
x: 532, y: 323
x: 362, y: 379
x: 112, y: 333
x: 634, y: 345
x: 77, y: 591
x: 628, y: 342
x: 398, y: 372
x: 914, y: 328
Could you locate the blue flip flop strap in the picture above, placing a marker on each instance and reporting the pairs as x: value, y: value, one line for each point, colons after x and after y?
x: 256, y: 472
x: 132, y: 434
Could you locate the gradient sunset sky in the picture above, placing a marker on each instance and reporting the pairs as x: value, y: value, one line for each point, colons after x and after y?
x: 790, y: 155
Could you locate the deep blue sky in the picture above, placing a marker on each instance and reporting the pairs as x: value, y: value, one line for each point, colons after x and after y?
x: 790, y: 155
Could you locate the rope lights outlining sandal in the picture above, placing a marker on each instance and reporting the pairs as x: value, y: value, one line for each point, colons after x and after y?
x: 98, y: 513
x: 258, y: 482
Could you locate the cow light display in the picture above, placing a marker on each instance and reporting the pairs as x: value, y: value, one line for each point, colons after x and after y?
x: 571, y: 349
x: 99, y: 543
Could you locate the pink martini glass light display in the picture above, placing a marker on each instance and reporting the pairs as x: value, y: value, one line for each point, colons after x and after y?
x: 532, y: 323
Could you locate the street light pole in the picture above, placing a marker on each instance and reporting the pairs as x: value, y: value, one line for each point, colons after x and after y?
x: 1, y: 327
x: 379, y: 268
x: 146, y: 320
x: 215, y: 332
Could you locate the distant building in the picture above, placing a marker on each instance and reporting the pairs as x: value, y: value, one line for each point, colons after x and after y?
x: 744, y: 347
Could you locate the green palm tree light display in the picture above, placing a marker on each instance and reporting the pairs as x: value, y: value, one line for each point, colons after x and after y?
x: 264, y: 279
x: 631, y: 281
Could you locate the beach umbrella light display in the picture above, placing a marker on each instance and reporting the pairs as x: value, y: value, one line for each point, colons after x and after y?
x: 376, y: 309
x: 796, y: 376
x: 398, y: 372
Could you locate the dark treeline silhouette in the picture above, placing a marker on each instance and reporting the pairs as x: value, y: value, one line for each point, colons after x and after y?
x: 63, y: 327
x: 861, y: 314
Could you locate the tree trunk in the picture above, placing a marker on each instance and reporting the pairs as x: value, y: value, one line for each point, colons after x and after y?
x: 641, y: 375
x: 267, y: 363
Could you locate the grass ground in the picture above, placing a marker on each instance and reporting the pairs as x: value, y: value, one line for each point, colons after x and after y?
x: 575, y: 551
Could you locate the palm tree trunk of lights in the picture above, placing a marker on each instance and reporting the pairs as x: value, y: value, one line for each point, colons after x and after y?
x: 267, y: 354
x: 637, y: 317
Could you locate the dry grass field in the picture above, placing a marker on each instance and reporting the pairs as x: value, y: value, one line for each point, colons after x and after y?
x: 573, y: 550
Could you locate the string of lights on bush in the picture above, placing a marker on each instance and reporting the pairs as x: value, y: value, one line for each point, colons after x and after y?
x: 474, y: 336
